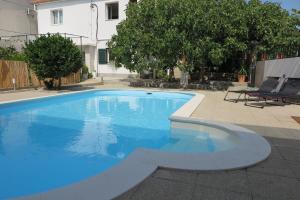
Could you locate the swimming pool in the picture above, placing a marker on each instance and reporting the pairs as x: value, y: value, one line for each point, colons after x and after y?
x: 52, y: 142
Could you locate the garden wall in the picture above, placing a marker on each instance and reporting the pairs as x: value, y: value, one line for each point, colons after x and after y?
x: 24, y: 77
x: 210, y: 85
x: 276, y: 68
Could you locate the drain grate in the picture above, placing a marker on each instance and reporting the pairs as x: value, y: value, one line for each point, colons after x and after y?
x: 297, y: 119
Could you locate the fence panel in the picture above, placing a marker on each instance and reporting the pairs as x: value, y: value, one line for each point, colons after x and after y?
x: 25, y: 77
x: 16, y: 70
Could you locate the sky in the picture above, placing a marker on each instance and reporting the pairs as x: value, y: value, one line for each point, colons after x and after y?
x: 288, y: 4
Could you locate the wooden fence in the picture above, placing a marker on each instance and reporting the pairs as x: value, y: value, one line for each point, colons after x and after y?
x: 24, y: 77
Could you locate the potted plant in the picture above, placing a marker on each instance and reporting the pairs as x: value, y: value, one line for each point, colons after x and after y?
x: 85, y: 72
x: 242, y: 74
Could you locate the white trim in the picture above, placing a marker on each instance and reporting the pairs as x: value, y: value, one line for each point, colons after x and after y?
x: 188, y: 108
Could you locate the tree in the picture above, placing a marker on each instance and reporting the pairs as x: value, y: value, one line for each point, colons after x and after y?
x: 293, y: 47
x: 53, y: 57
x: 189, y: 34
x: 270, y: 29
x: 141, y: 43
x: 195, y: 35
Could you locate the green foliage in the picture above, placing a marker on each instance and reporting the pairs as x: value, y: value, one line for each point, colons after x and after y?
x: 194, y: 35
x: 270, y: 28
x: 85, y: 69
x: 10, y: 53
x: 53, y: 57
x: 90, y: 75
x: 243, y: 70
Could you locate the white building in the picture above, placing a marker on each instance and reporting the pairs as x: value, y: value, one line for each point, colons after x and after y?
x: 95, y: 20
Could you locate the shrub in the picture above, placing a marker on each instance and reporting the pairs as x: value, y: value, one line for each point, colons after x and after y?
x: 85, y: 69
x: 10, y: 53
x: 52, y: 57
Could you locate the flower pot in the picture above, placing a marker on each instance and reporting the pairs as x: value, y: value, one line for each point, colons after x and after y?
x: 84, y: 76
x: 241, y: 78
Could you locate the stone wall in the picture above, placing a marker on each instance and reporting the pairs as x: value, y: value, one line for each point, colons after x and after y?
x: 211, y: 85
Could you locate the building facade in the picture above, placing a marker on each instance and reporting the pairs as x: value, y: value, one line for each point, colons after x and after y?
x: 17, y: 17
x: 95, y: 21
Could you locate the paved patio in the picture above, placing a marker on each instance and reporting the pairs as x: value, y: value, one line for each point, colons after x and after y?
x: 277, y: 178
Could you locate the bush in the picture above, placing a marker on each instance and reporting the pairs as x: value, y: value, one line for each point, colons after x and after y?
x: 85, y: 69
x: 52, y: 57
x: 90, y: 75
x: 10, y: 53
x: 85, y: 73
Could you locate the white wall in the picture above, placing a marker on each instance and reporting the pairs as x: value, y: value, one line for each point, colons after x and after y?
x: 77, y: 19
x: 276, y: 68
x: 80, y: 19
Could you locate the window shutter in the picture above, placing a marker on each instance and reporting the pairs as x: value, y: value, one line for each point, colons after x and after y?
x: 102, y: 55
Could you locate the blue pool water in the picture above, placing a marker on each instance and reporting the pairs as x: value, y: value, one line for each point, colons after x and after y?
x: 52, y: 142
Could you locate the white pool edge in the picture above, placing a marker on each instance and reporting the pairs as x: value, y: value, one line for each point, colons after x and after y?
x: 143, y: 162
x: 189, y: 107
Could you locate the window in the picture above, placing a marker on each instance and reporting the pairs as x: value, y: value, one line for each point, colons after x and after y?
x: 57, y: 17
x: 112, y: 11
x: 102, y: 56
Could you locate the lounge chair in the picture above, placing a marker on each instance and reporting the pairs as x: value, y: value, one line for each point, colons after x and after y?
x: 289, y: 92
x: 267, y: 86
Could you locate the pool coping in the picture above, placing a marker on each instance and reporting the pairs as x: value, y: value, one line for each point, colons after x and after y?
x: 143, y: 162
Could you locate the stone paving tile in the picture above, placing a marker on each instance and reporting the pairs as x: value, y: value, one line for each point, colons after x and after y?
x: 176, y: 175
x: 268, y: 198
x: 275, y: 154
x: 290, y: 154
x: 295, y: 167
x: 273, y: 187
x: 127, y: 195
x: 154, y: 188
x: 273, y: 166
x: 235, y: 181
x: 203, y: 193
x: 280, y: 142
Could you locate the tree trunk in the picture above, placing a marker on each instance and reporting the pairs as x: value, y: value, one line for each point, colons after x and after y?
x: 184, y: 79
x: 252, y: 66
x: 171, y: 76
x: 59, y: 83
x: 202, y: 80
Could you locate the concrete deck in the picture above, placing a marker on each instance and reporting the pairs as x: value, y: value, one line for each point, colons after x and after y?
x: 277, y: 178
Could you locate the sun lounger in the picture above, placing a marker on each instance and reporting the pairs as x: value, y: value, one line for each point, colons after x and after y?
x: 267, y: 86
x: 290, y: 91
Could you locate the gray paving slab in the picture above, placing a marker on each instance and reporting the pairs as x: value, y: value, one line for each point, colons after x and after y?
x: 203, y: 193
x: 290, y: 154
x: 292, y: 143
x: 155, y: 188
x: 176, y: 175
x: 273, y: 166
x: 274, y: 187
x: 127, y: 195
x: 235, y: 181
x: 275, y: 154
x: 268, y: 198
x: 295, y: 167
